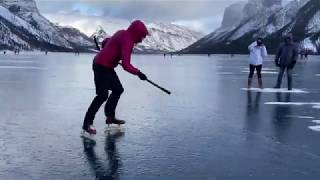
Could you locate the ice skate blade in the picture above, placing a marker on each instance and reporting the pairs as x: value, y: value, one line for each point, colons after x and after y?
x: 87, y: 136
x: 110, y: 128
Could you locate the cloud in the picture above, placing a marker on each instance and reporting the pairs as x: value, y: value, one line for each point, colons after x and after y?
x: 202, y: 15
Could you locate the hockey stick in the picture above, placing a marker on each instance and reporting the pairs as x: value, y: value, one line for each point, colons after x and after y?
x: 96, y: 42
x: 156, y: 85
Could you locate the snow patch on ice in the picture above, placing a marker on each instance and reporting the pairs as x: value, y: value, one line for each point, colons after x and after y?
x: 316, y: 121
x: 274, y: 90
x: 22, y: 67
x: 293, y: 103
x: 314, y: 128
x: 316, y: 106
x: 265, y: 69
x: 300, y: 117
x: 262, y: 72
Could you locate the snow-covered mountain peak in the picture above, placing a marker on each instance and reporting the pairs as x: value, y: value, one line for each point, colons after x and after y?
x: 21, y: 6
x: 268, y: 20
x: 163, y: 37
x: 100, y: 34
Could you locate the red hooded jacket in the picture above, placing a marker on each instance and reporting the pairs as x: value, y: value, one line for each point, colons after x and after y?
x: 120, y: 46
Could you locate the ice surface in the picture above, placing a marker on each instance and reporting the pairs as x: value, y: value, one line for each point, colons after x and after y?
x: 205, y: 130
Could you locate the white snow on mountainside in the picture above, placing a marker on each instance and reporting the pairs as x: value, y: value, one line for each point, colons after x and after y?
x: 169, y: 37
x: 23, y: 27
x: 163, y: 37
x: 262, y: 18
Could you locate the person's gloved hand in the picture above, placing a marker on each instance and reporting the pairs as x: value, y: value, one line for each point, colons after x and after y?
x: 277, y: 62
x: 291, y: 66
x: 142, y: 76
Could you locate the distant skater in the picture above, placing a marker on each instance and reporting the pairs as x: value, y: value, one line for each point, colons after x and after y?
x: 286, y: 58
x: 258, y: 52
x: 306, y: 55
x: 118, y: 47
x: 301, y: 54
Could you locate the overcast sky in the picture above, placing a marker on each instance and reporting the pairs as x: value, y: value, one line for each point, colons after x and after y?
x: 86, y: 15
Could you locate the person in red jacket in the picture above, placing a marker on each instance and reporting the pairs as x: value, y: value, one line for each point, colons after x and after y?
x: 116, y: 48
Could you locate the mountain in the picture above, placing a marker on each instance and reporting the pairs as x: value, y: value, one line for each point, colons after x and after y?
x: 233, y: 15
x: 270, y: 21
x: 165, y: 37
x: 22, y: 26
x: 100, y: 34
x: 162, y: 38
x: 76, y: 38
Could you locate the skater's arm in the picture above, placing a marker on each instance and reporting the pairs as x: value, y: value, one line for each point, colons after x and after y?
x: 264, y: 51
x: 126, y: 50
x: 279, y: 51
x: 252, y: 45
x: 294, y: 57
x: 96, y: 43
x: 296, y: 54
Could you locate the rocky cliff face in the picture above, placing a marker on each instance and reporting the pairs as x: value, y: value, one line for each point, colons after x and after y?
x: 271, y: 22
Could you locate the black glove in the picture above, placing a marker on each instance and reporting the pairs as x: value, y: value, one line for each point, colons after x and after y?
x: 142, y: 76
x: 276, y: 61
x: 291, y: 66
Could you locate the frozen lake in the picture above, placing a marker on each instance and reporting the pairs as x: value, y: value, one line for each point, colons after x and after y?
x: 211, y: 127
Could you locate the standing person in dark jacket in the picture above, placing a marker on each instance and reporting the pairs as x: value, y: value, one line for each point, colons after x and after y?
x: 286, y: 59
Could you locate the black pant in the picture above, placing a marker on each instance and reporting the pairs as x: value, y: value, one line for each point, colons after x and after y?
x: 258, y: 68
x: 289, y: 76
x: 104, y: 79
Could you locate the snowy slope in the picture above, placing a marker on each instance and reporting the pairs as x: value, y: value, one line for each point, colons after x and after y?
x: 25, y: 28
x: 168, y: 37
x: 75, y: 37
x: 267, y: 20
x: 28, y: 11
x: 100, y: 34
x: 162, y: 37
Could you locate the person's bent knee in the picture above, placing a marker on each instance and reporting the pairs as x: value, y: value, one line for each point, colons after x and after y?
x: 118, y: 91
x: 102, y: 96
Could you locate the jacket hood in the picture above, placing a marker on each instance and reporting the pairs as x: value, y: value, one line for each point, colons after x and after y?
x: 138, y: 31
